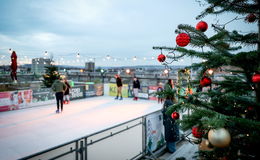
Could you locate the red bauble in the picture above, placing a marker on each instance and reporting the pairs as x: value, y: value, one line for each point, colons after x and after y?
x: 205, y: 81
x: 175, y: 115
x: 183, y: 39
x: 256, y: 78
x: 250, y: 108
x: 202, y: 26
x: 161, y: 58
x: 196, y: 132
x: 250, y: 18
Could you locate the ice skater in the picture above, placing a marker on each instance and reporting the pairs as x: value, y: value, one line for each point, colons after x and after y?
x: 119, y: 87
x: 59, y: 88
x: 136, y: 87
x: 67, y: 93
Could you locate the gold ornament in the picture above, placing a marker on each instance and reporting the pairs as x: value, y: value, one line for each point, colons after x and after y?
x: 204, y: 145
x: 219, y: 137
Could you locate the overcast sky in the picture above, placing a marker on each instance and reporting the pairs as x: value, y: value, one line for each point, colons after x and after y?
x: 97, y: 28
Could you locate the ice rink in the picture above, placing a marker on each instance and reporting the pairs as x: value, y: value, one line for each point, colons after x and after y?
x: 27, y: 131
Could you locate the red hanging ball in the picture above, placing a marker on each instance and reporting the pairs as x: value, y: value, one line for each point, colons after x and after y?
x: 202, y: 26
x: 183, y: 39
x: 161, y: 58
x: 175, y: 115
x: 205, y: 81
x: 251, y: 18
x: 196, y: 132
x: 250, y: 108
x: 256, y: 78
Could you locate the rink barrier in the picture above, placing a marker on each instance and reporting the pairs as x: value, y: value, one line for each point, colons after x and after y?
x: 78, y: 149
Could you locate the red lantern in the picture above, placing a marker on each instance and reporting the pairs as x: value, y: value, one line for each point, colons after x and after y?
x: 161, y: 58
x: 196, y: 132
x: 205, y: 81
x: 250, y: 18
x: 183, y: 39
x: 202, y: 26
x: 256, y: 78
x: 175, y: 115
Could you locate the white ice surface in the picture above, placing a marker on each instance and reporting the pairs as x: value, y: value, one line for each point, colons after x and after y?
x: 27, y: 131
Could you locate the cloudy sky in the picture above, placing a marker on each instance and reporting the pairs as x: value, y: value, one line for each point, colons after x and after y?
x: 121, y: 29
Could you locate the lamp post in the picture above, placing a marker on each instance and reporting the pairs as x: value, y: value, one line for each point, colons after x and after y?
x: 102, y: 75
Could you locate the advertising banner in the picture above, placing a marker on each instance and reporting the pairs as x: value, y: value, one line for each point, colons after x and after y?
x: 154, y: 132
x: 77, y: 92
x: 143, y: 92
x: 99, y: 89
x: 43, y: 95
x: 113, y: 90
x: 15, y: 99
x: 90, y: 89
x: 152, y: 91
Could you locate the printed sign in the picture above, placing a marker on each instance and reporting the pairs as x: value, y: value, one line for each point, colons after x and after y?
x: 154, y: 131
x: 43, y: 95
x: 113, y: 90
x: 89, y: 89
x: 99, y: 89
x: 15, y: 99
x: 143, y: 92
x: 77, y: 92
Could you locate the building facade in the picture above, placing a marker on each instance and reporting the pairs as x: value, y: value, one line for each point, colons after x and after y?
x: 39, y: 64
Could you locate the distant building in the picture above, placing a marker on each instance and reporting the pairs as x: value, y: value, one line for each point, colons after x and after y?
x: 90, y: 66
x: 38, y: 65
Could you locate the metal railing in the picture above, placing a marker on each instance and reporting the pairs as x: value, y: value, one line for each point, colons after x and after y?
x: 123, y: 141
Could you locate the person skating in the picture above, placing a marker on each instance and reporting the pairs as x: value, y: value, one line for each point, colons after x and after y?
x: 119, y: 87
x: 136, y: 87
x: 59, y: 88
x: 67, y: 93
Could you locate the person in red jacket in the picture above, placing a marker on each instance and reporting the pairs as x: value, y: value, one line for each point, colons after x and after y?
x: 14, y: 66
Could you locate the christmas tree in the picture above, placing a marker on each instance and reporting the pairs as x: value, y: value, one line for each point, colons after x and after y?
x: 51, y: 74
x: 225, y: 112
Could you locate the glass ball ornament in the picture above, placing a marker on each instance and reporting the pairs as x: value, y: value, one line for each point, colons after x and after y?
x: 197, y: 132
x: 202, y: 26
x: 219, y: 137
x: 175, y: 115
x: 183, y: 39
x: 251, y: 18
x: 256, y: 78
x: 205, y: 81
x: 161, y: 58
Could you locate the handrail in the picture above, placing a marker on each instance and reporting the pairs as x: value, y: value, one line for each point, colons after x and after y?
x: 84, y: 137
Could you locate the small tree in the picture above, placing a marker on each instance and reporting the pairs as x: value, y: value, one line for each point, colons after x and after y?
x: 51, y: 74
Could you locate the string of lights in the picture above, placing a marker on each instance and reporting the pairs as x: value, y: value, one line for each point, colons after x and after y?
x: 72, y: 58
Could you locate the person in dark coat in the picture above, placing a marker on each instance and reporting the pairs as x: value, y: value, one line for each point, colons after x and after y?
x: 171, y: 128
x: 136, y: 87
x: 119, y: 85
x: 67, y: 93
